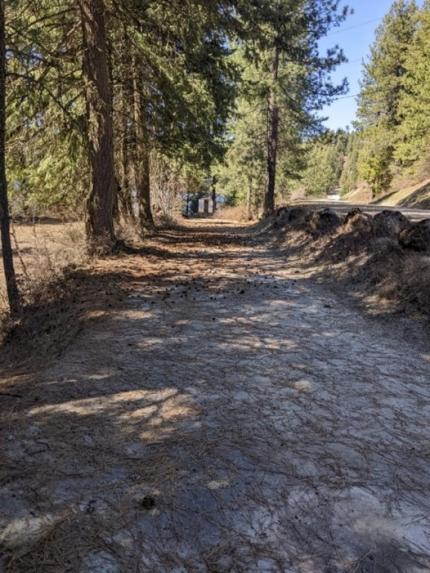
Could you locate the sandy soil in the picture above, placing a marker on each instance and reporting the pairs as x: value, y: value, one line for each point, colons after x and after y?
x: 229, y: 415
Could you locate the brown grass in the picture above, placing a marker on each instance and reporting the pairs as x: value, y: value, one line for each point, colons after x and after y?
x: 236, y: 213
x: 42, y: 252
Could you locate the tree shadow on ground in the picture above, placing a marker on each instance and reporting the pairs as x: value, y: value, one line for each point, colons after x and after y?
x: 196, y: 426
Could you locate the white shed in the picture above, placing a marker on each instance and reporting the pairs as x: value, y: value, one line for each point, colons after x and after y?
x: 206, y: 206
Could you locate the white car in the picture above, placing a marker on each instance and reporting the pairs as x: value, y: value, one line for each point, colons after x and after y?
x: 334, y: 195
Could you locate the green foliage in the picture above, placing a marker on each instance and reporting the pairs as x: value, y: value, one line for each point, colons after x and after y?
x: 374, y: 163
x: 350, y: 175
x: 297, y: 91
x: 324, y: 163
x: 199, y: 100
x: 394, y: 108
x: 383, y: 88
x: 46, y: 160
x: 414, y: 107
x: 179, y: 48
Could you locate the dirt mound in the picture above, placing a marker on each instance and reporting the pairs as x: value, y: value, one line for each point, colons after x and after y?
x: 390, y: 223
x: 373, y: 257
x: 292, y: 216
x: 417, y: 236
x: 324, y: 221
x: 358, y: 222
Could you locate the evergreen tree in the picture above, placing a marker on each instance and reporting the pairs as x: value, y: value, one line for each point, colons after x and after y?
x: 294, y: 28
x: 413, y: 140
x: 349, y: 177
x: 8, y: 266
x: 381, y: 93
x: 325, y: 161
x: 99, y: 126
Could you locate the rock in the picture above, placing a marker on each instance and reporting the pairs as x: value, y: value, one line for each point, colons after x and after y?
x: 148, y: 502
x: 416, y: 236
x: 357, y: 221
x: 324, y: 221
x: 290, y: 217
x: 281, y: 212
x: 390, y: 223
x: 293, y: 216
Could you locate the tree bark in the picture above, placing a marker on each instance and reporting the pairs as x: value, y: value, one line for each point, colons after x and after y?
x: 8, y: 267
x: 125, y: 206
x: 214, y: 184
x: 272, y: 139
x: 98, y: 90
x: 250, y: 201
x: 141, y: 155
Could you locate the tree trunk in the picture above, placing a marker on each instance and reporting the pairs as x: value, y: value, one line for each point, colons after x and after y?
x: 272, y: 139
x: 250, y: 201
x: 214, y: 184
x: 124, y: 206
x: 98, y: 91
x: 9, y: 271
x: 141, y: 156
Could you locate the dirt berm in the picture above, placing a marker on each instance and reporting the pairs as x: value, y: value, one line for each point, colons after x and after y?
x: 383, y: 260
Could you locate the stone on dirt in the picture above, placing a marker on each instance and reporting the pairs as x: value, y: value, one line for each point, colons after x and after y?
x: 357, y: 221
x: 324, y: 221
x: 417, y: 236
x: 292, y: 216
x: 390, y: 223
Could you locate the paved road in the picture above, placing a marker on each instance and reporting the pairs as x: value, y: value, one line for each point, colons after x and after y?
x: 229, y: 416
x: 343, y: 207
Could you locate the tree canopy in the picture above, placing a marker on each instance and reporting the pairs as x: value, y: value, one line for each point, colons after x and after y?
x: 102, y: 96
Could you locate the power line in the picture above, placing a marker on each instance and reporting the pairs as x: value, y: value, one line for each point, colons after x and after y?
x: 345, y: 97
x: 366, y: 23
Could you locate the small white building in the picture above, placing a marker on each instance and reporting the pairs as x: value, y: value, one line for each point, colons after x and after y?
x: 206, y: 206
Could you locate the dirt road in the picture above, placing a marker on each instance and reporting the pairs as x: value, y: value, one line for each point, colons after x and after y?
x: 230, y: 415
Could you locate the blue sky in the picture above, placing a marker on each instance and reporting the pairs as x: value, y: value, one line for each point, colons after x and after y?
x: 355, y: 36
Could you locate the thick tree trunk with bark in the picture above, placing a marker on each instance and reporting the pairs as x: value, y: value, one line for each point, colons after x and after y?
x: 272, y: 139
x: 125, y: 207
x: 9, y: 271
x: 99, y: 224
x: 123, y: 204
x: 142, y: 164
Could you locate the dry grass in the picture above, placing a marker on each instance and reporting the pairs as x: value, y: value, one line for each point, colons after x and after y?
x: 236, y: 213
x: 42, y: 252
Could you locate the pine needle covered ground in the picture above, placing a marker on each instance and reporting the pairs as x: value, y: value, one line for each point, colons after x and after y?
x: 217, y: 410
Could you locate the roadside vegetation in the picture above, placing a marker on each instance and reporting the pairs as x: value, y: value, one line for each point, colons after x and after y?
x: 112, y: 111
x: 116, y: 113
x: 389, y: 147
x: 380, y: 261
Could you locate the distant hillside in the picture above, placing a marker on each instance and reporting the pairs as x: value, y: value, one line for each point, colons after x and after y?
x: 414, y: 196
x: 417, y: 196
x: 360, y: 195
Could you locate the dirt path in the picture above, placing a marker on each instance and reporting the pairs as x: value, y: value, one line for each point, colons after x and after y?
x: 229, y: 416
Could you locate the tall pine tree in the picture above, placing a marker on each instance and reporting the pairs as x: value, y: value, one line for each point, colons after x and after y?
x: 381, y: 92
x: 413, y: 141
